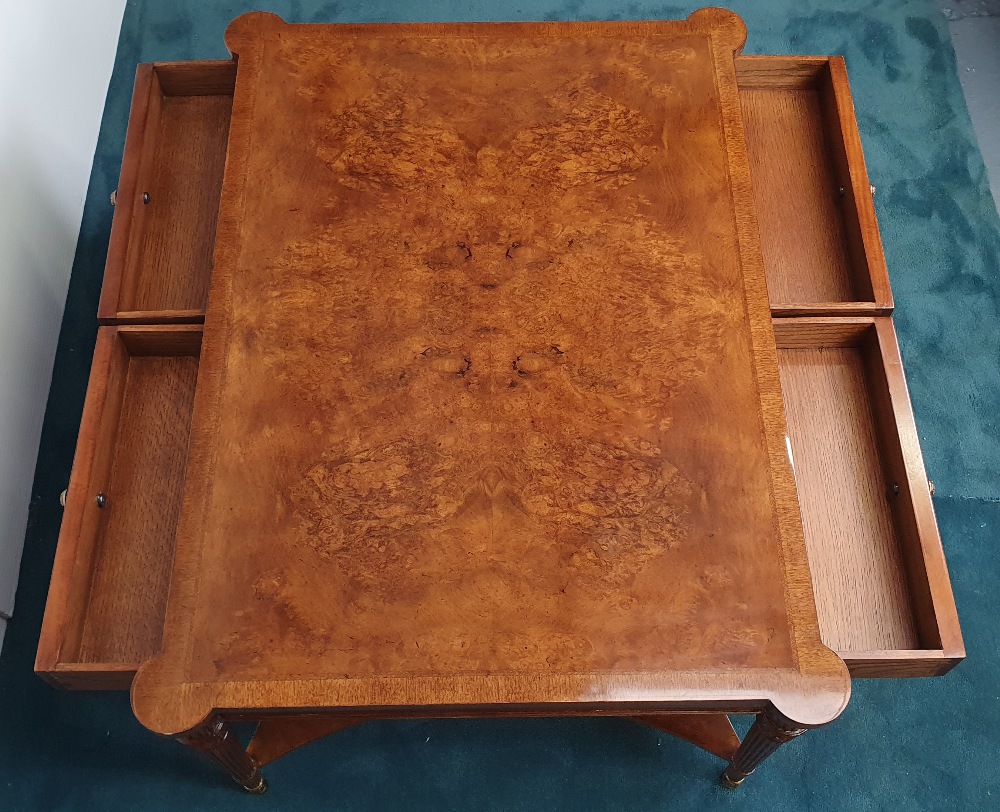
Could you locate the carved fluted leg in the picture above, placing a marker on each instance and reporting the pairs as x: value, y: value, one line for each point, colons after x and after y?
x: 216, y: 740
x: 768, y: 733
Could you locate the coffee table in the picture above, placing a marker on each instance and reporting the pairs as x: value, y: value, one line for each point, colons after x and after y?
x: 487, y: 419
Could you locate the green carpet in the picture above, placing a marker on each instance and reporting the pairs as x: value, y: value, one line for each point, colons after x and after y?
x: 912, y: 745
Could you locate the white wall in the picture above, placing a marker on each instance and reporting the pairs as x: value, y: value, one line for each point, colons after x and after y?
x: 977, y: 49
x: 55, y: 64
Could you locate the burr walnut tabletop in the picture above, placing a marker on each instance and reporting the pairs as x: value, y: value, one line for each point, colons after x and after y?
x: 488, y: 418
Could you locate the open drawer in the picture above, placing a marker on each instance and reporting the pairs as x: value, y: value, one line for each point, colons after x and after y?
x: 818, y: 232
x: 881, y: 583
x: 163, y: 234
x: 819, y: 235
x: 882, y: 588
x: 107, y: 598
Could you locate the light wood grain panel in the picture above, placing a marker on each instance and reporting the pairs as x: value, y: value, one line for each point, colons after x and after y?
x: 785, y: 72
x: 132, y: 569
x: 160, y: 339
x: 817, y: 221
x: 871, y: 387
x: 175, y: 266
x: 160, y: 316
x: 859, y: 577
x: 160, y: 256
x: 796, y: 192
x: 197, y: 78
x: 820, y: 331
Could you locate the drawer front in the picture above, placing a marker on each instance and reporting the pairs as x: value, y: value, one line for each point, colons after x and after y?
x: 107, y: 597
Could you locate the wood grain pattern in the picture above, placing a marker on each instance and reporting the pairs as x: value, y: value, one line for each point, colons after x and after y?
x: 161, y: 341
x: 913, y: 509
x: 786, y: 72
x: 861, y: 225
x: 712, y: 732
x: 132, y: 569
x: 278, y: 737
x: 175, y: 263
x: 801, y: 231
x: 522, y: 417
x: 875, y: 539
x: 820, y: 331
x: 160, y: 316
x: 858, y: 574
x: 108, y: 592
x: 817, y: 223
x: 902, y: 664
x: 160, y: 257
x: 142, y: 120
x: 197, y: 77
x: 883, y: 579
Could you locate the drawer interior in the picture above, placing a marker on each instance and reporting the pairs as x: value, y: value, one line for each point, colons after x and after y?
x: 160, y: 258
x: 873, y: 547
x: 109, y: 586
x: 817, y: 225
x: 819, y: 237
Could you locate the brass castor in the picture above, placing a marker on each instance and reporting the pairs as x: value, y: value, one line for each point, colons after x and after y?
x: 729, y: 782
x: 260, y: 789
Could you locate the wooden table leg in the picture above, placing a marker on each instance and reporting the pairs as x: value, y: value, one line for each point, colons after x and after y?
x: 216, y: 739
x: 711, y: 731
x: 279, y: 736
x: 768, y: 733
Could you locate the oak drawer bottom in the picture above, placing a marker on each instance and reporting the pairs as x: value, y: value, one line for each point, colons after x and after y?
x: 163, y: 235
x: 818, y: 234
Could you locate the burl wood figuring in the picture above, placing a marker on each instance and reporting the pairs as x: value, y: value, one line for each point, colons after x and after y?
x: 488, y: 419
x: 490, y: 412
